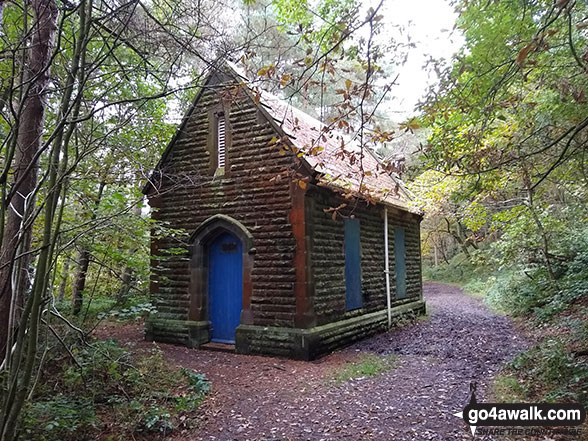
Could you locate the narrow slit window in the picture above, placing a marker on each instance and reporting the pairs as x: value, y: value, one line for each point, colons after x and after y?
x: 221, y: 141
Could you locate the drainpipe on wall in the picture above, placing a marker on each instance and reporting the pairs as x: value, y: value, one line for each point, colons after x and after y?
x: 387, y: 267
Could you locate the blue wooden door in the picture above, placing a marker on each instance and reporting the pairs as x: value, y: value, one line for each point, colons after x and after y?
x: 352, y: 265
x: 225, y: 287
x: 400, y: 262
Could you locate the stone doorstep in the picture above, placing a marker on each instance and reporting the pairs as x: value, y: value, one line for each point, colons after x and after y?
x: 218, y: 347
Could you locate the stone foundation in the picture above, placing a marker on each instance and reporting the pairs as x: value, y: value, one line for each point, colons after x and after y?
x: 184, y: 332
x: 301, y: 344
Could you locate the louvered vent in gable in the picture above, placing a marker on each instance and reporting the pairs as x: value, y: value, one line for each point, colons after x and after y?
x: 221, y: 141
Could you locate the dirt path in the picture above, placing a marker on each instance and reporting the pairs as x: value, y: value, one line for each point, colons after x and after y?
x: 258, y: 398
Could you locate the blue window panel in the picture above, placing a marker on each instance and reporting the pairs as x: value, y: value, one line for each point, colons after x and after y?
x: 400, y: 262
x: 352, y: 265
x: 225, y: 287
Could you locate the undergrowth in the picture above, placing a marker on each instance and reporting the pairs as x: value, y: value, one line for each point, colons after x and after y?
x: 102, y: 391
x: 548, y: 372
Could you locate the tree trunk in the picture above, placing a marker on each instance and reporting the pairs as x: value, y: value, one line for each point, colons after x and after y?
x: 530, y: 204
x: 443, y: 249
x: 63, y: 284
x: 544, y: 239
x: 77, y: 295
x: 127, y: 280
x: 456, y: 235
x: 6, y: 92
x: 17, y: 229
x: 462, y: 240
x: 127, y: 277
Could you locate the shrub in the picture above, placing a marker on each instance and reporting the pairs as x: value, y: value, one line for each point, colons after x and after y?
x: 61, y: 417
x: 109, y: 392
x: 130, y: 313
x: 515, y: 293
x: 552, y: 373
x: 462, y: 269
x: 528, y: 289
x: 458, y: 270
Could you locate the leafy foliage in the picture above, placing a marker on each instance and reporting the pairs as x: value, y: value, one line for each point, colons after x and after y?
x: 504, y: 180
x: 59, y: 418
x: 109, y: 393
x: 549, y: 372
x: 133, y: 312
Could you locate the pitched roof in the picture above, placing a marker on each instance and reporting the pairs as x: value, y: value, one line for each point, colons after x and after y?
x: 337, y: 159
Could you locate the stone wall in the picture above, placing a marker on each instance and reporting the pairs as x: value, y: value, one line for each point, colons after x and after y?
x: 328, y: 257
x: 296, y: 289
x: 411, y: 225
x: 308, y: 344
x: 189, y: 193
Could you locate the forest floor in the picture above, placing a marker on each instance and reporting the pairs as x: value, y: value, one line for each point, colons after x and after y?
x: 261, y: 398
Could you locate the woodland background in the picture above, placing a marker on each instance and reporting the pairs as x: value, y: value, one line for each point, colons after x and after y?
x: 91, y: 91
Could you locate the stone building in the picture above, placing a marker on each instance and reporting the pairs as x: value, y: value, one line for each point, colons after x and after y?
x: 269, y: 265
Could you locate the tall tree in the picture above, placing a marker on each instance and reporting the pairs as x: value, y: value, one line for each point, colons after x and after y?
x: 18, y: 203
x: 103, y: 111
x: 509, y: 127
x: 20, y: 199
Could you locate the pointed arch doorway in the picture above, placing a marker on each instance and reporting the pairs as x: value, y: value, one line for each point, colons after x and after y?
x: 220, y: 286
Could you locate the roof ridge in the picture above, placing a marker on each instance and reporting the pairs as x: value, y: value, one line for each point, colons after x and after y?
x: 350, y: 144
x: 304, y: 130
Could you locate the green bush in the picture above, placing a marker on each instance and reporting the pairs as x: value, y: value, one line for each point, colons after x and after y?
x: 462, y: 270
x: 129, y: 313
x: 62, y: 417
x: 516, y: 292
x: 110, y: 392
x: 550, y: 372
x: 459, y: 270
x: 529, y: 289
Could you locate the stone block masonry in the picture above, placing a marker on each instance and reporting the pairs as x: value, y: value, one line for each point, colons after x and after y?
x: 294, y: 289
